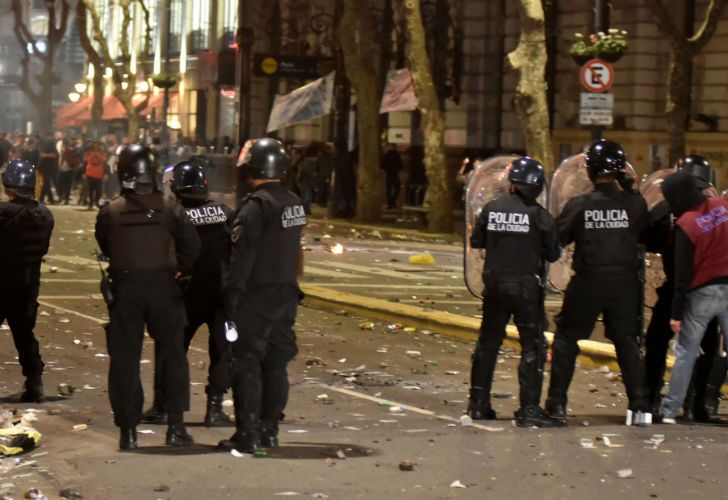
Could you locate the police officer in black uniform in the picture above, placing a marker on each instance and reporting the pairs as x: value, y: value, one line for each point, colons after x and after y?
x: 710, y: 369
x: 261, y: 296
x: 518, y: 235
x: 606, y: 225
x: 150, y: 241
x: 203, y: 293
x: 25, y: 233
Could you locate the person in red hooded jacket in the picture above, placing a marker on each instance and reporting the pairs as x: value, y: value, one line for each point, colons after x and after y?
x: 701, y: 278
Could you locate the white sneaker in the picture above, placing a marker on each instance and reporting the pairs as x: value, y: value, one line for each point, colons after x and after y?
x: 669, y: 420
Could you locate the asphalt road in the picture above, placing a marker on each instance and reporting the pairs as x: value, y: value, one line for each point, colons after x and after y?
x: 360, y: 406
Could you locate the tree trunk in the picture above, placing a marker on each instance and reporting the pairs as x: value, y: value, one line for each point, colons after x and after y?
x: 678, y: 101
x: 358, y: 44
x: 97, y: 108
x: 529, y: 62
x: 432, y: 122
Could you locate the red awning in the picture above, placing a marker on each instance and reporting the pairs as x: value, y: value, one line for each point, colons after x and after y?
x: 76, y: 114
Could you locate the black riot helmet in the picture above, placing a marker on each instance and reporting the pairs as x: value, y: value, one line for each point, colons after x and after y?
x: 189, y: 181
x: 267, y: 159
x: 528, y: 176
x: 19, y: 176
x: 698, y: 167
x: 605, y: 158
x: 138, y: 169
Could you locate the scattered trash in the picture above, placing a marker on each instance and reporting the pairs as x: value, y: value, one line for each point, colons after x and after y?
x: 322, y: 397
x: 342, y: 360
x: 366, y: 325
x: 396, y: 409
x: 35, y: 494
x: 337, y: 249
x: 624, y: 473
x: 457, y: 484
x: 466, y: 421
x: 64, y: 320
x: 382, y: 350
x: 502, y: 395
x: 413, y: 354
x: 412, y: 387
x: 655, y: 441
x: 70, y: 493
x: 66, y: 390
x: 604, y: 369
x: 53, y: 269
x: 586, y: 443
x: 340, y: 455
x: 101, y: 355
x: 161, y: 488
x: 236, y: 453
x: 145, y: 431
x: 452, y: 372
x: 316, y: 361
x: 287, y: 494
x: 406, y: 466
x: 80, y: 427
x: 297, y: 431
x: 410, y: 329
x: 394, y: 327
x: 423, y: 258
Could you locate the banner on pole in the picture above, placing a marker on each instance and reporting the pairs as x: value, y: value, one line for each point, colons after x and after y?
x: 313, y: 100
x: 399, y: 92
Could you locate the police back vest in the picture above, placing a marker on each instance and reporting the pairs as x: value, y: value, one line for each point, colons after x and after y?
x: 139, y: 233
x: 276, y: 257
x: 707, y: 228
x: 513, y: 238
x: 25, y: 232
x: 211, y: 221
x: 608, y: 232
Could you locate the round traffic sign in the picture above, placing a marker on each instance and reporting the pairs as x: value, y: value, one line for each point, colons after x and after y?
x: 597, y: 76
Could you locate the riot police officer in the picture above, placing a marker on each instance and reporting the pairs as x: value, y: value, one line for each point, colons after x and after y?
x: 203, y: 293
x: 518, y: 235
x: 261, y: 296
x: 606, y: 225
x: 150, y: 241
x: 25, y: 233
x: 709, y: 374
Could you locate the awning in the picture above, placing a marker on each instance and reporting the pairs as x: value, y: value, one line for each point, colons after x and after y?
x: 76, y: 114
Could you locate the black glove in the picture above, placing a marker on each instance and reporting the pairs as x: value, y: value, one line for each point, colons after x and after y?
x: 626, y: 181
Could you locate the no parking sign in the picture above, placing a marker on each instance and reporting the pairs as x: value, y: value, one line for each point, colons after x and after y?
x: 597, y: 76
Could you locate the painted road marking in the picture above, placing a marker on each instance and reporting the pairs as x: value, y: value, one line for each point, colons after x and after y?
x: 413, y: 409
x: 381, y: 272
x: 308, y: 269
x: 46, y: 268
x: 69, y: 280
x: 73, y: 259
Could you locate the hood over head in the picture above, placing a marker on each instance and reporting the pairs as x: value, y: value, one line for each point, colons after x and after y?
x: 681, y: 193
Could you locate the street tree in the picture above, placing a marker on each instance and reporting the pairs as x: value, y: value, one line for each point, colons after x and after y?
x: 361, y: 50
x: 95, y: 62
x: 125, y: 71
x: 38, y: 87
x: 529, y: 60
x: 432, y: 123
x: 683, y: 47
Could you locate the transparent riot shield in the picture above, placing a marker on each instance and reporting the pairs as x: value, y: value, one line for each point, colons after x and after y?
x: 488, y: 181
x: 569, y: 180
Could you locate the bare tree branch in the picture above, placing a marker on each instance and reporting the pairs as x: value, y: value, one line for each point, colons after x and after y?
x: 665, y: 23
x: 708, y: 26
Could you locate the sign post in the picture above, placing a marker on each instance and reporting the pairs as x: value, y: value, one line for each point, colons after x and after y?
x: 596, y: 106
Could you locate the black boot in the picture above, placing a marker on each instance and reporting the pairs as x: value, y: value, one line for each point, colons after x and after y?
x: 33, y: 392
x: 556, y: 411
x: 479, y: 405
x: 128, y: 438
x: 215, y: 416
x: 177, y: 436
x: 533, y: 416
x: 243, y: 441
x: 155, y: 415
x: 269, y: 435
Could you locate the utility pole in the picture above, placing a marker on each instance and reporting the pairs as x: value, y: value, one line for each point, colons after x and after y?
x: 602, y: 9
x: 243, y: 76
x: 165, y: 106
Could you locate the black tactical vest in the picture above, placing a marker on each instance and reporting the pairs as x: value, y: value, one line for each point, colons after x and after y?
x: 25, y: 230
x: 140, y: 237
x: 513, y: 238
x: 276, y: 258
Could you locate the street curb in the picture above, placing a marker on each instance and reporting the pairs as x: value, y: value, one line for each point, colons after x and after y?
x: 463, y: 328
x: 392, y: 232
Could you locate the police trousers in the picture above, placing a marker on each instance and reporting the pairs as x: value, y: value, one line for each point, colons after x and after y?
x: 155, y: 302
x: 265, y: 346
x: 519, y: 297
x: 710, y: 368
x: 19, y: 306
x: 618, y: 301
x: 203, y: 305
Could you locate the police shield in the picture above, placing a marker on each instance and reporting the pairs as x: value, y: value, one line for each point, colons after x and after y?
x: 569, y: 180
x: 488, y: 181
